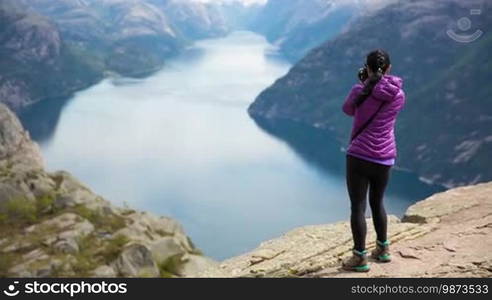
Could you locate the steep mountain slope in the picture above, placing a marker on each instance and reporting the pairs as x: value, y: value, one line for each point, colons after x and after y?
x: 51, y: 225
x: 51, y: 48
x: 444, y: 131
x: 34, y: 61
x: 194, y: 20
x: 297, y: 26
x: 129, y: 37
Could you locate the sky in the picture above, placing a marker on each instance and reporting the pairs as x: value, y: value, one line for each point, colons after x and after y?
x: 245, y: 1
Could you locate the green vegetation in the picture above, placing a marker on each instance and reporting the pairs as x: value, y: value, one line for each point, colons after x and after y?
x: 104, y: 222
x: 169, y: 268
x: 21, y: 211
x: 112, y: 248
x: 18, y: 210
x: 18, y: 213
x: 7, y: 260
x: 94, y: 252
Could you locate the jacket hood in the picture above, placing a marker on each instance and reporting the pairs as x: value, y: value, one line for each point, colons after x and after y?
x: 387, y: 88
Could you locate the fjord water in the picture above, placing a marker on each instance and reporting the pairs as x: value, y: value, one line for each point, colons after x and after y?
x: 180, y: 143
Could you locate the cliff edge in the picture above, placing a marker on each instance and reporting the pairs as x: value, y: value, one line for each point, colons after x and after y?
x: 51, y: 225
x: 446, y: 235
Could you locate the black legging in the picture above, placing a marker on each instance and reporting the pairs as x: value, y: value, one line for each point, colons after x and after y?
x: 361, y: 175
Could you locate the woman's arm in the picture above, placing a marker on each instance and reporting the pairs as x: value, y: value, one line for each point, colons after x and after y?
x: 349, y: 105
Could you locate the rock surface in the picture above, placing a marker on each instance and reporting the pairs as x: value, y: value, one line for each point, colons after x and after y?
x: 446, y: 235
x: 35, y: 62
x: 51, y: 225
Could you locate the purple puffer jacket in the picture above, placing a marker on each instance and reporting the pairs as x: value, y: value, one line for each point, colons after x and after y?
x: 377, y: 140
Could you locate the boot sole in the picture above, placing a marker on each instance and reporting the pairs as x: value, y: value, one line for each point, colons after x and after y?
x: 382, y: 258
x: 364, y: 268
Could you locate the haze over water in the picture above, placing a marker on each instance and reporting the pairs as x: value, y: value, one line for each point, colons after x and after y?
x: 180, y: 143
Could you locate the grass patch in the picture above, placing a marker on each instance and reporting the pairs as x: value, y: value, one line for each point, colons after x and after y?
x: 94, y: 252
x: 113, y: 248
x: 21, y: 211
x: 7, y: 260
x: 169, y: 268
x: 86, y: 259
x: 106, y: 222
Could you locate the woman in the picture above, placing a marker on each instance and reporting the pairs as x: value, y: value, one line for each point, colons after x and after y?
x: 374, y: 103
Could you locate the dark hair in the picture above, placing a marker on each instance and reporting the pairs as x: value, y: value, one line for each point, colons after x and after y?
x: 378, y: 62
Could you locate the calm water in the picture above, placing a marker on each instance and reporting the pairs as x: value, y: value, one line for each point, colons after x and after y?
x: 180, y: 143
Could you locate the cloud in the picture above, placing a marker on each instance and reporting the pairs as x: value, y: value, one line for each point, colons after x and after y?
x: 243, y: 1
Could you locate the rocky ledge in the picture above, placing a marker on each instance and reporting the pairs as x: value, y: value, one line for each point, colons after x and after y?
x: 446, y: 235
x: 51, y: 225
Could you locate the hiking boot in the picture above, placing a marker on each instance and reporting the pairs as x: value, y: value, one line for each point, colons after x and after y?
x: 381, y: 253
x: 357, y: 262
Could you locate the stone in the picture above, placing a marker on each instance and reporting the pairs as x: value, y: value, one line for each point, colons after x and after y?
x: 445, y: 203
x: 136, y: 261
x: 166, y: 248
x: 36, y: 254
x: 67, y: 246
x: 72, y: 192
x: 16, y: 146
x: 408, y: 253
x: 20, y: 245
x: 145, y: 227
x: 24, y: 269
x: 104, y: 272
x: 77, y: 231
x: 67, y: 226
x: 450, y: 246
x: 195, y: 264
x: 62, y: 221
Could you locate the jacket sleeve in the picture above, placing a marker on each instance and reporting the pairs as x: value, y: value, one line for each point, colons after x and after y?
x: 349, y: 105
x: 385, y: 90
x: 400, y: 99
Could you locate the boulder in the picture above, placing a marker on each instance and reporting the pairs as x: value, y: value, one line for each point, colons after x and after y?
x: 104, y: 272
x: 193, y: 264
x: 16, y: 148
x: 71, y: 192
x: 166, y: 248
x: 446, y: 203
x: 136, y: 261
x: 67, y: 246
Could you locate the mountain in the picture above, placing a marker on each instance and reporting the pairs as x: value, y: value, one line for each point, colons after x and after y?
x: 35, y: 63
x: 52, y: 225
x: 443, y: 133
x: 194, y: 19
x: 130, y: 37
x: 237, y: 14
x: 297, y: 26
x: 51, y: 48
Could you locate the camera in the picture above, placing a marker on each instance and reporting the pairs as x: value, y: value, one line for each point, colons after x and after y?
x: 362, y: 74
